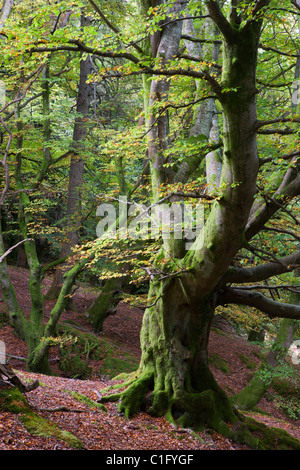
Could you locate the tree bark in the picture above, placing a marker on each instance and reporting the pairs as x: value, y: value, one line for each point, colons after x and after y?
x: 166, y: 46
x: 13, y: 379
x: 174, y: 363
x: 106, y: 303
x: 9, y: 295
x: 5, y: 11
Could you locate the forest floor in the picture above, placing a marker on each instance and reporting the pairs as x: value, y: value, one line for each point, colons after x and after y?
x: 54, y: 399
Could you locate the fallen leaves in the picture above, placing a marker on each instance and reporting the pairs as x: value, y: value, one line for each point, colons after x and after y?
x: 57, y: 399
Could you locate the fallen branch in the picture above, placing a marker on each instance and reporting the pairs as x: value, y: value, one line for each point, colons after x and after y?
x: 13, y: 247
x: 8, y: 372
x: 60, y: 408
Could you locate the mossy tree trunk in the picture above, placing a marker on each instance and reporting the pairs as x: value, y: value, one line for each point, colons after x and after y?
x: 174, y: 363
x: 254, y: 391
x: 40, y: 336
x: 106, y: 303
x: 8, y: 292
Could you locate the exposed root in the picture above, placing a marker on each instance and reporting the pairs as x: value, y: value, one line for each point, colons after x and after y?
x: 194, y: 410
x: 132, y: 398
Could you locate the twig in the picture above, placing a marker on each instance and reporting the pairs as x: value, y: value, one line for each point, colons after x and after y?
x: 20, y: 98
x: 60, y: 408
x: 14, y: 357
x: 288, y: 232
x: 291, y: 287
x: 236, y: 371
x: 256, y: 250
x: 170, y: 105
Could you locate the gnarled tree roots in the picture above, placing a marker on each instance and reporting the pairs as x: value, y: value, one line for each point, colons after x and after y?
x: 189, y: 409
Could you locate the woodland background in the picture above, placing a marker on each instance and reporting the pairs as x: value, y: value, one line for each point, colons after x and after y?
x: 80, y: 127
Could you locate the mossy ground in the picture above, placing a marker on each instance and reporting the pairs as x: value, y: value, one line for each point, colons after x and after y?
x: 219, y: 363
x: 272, y: 438
x: 84, y: 348
x: 87, y: 401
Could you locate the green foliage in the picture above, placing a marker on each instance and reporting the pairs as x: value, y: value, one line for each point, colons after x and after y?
x: 78, y: 355
x: 287, y: 395
x: 267, y: 373
x: 75, y: 354
x: 247, y: 361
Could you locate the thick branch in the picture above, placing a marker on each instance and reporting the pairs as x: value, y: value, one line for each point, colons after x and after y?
x: 259, y: 301
x: 79, y: 46
x: 262, y: 213
x: 277, y: 51
x: 5, y: 11
x: 281, y: 230
x: 263, y: 271
x: 106, y: 21
x: 188, y: 37
x: 261, y: 124
x: 286, y: 131
x: 110, y: 25
x: 223, y: 25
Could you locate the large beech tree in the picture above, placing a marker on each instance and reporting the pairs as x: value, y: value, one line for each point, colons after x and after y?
x: 175, y: 332
x: 173, y: 377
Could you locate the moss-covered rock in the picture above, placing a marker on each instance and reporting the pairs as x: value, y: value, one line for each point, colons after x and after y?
x: 75, y: 368
x: 272, y: 438
x: 86, y: 400
x: 13, y: 401
x: 287, y: 396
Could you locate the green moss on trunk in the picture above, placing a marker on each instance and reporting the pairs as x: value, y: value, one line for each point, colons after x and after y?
x: 173, y: 378
x: 105, y: 304
x: 254, y: 391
